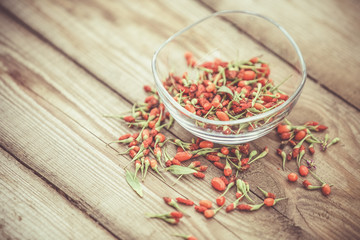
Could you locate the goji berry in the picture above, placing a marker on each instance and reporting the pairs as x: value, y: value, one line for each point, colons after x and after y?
x: 269, y: 202
x: 244, y: 207
x: 212, y: 158
x: 303, y: 171
x: 248, y: 75
x: 306, y: 183
x: 224, y: 150
x: 147, y: 88
x: 283, y: 128
x: 292, y: 177
x: 230, y: 207
x: 209, y: 213
x: 199, y: 174
x: 200, y: 209
x: 176, y: 214
x: 125, y: 136
x: 218, y: 184
x: 187, y: 202
x: 205, y: 203
x: 219, y: 165
x: 300, y: 135
x: 206, y: 144
x: 220, y: 201
x: 326, y: 189
x: 222, y: 116
x: 129, y: 119
x: 183, y: 156
x: 225, y: 180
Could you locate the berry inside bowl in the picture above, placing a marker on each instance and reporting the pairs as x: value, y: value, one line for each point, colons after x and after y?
x: 231, y: 77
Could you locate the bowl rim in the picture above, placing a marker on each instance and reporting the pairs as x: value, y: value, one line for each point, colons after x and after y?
x: 238, y: 121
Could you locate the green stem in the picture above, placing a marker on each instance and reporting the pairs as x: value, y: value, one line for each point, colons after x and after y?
x: 261, y: 155
x: 177, y: 179
x: 299, y: 157
x: 283, y: 155
x: 281, y: 83
x: 170, y: 123
x: 251, y: 67
x: 257, y: 94
x: 317, y: 177
x: 212, y: 107
x: 252, y: 154
x: 263, y: 191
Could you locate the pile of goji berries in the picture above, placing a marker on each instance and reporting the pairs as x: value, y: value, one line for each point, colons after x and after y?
x: 296, y: 137
x: 249, y: 92
x: 146, y: 148
x: 226, y: 91
x: 150, y: 117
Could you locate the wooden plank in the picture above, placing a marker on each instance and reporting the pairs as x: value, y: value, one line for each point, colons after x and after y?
x: 56, y: 97
x: 62, y: 102
x: 329, y: 44
x: 110, y: 42
x: 338, y: 166
x: 113, y: 33
x: 31, y: 209
x: 75, y: 160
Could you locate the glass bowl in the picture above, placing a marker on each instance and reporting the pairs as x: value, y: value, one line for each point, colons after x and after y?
x: 232, y: 35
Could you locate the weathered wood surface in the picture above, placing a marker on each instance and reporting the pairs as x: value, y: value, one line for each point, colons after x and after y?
x: 31, y: 209
x: 65, y: 64
x: 327, y: 34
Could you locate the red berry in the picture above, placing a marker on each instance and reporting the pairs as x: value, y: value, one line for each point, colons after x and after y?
x: 200, y: 209
x: 285, y: 135
x: 176, y: 214
x: 147, y: 88
x: 238, y: 195
x: 225, y: 150
x: 283, y: 129
x: 300, y: 135
x: 269, y: 202
x: 205, y: 203
x: 292, y: 177
x: 303, y: 170
x: 199, y: 174
x: 306, y: 183
x: 230, y: 207
x: 209, y: 213
x: 206, y: 144
x: 220, y: 201
x: 325, y: 189
x: 218, y: 184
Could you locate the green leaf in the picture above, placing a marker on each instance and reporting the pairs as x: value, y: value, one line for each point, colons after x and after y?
x: 225, y: 89
x: 134, y: 183
x: 179, y: 170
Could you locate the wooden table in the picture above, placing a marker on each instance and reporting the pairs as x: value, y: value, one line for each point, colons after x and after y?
x: 64, y: 64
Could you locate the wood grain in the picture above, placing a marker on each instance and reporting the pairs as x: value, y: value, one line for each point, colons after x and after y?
x: 58, y: 105
x: 329, y: 44
x: 91, y: 171
x: 30, y: 209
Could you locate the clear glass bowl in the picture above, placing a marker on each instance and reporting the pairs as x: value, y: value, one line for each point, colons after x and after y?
x: 231, y: 35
